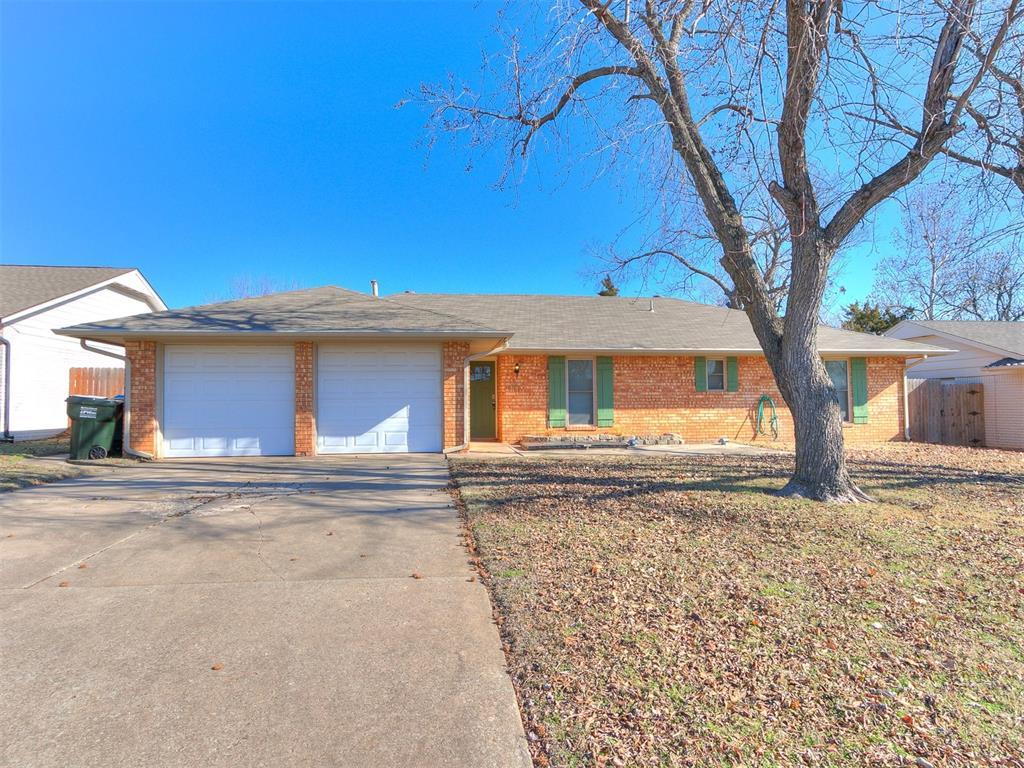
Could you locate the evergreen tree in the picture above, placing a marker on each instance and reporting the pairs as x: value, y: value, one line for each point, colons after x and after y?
x: 872, y: 318
x: 608, y: 287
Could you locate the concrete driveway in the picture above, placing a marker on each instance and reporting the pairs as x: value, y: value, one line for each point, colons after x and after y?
x: 248, y: 613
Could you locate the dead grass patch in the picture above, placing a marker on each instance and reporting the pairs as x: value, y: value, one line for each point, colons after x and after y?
x: 671, y: 611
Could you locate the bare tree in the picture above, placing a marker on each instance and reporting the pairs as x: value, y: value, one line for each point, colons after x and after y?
x: 994, y: 289
x: 934, y: 244
x: 991, y: 138
x: 682, y: 256
x: 952, y: 261
x: 250, y: 286
x: 728, y: 96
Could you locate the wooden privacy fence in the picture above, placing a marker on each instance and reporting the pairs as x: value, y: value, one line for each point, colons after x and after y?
x: 105, y: 382
x: 946, y: 412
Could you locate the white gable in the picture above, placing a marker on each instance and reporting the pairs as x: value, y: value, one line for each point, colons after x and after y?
x: 40, y: 359
x: 966, y: 362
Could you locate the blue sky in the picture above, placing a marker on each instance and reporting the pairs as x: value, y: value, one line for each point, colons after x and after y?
x: 208, y: 143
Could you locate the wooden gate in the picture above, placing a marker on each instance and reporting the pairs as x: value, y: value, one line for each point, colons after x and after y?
x: 947, y: 412
x: 105, y: 382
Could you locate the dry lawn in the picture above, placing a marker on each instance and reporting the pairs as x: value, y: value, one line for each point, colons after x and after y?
x: 669, y: 611
x: 20, y: 467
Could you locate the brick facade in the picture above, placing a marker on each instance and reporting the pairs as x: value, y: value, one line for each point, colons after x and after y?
x: 656, y: 394
x: 455, y: 381
x: 653, y: 395
x: 142, y: 426
x: 305, y: 415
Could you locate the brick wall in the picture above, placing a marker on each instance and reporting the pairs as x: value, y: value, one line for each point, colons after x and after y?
x: 141, y: 357
x: 455, y: 375
x: 655, y: 395
x: 305, y: 419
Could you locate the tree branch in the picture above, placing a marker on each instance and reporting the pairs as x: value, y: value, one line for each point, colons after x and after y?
x: 936, y: 127
x: 536, y: 123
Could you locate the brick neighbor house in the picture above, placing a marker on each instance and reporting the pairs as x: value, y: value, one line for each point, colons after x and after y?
x: 329, y: 370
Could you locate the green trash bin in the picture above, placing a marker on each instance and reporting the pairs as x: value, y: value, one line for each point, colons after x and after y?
x: 95, y: 426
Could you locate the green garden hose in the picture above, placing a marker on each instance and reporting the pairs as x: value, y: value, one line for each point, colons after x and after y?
x: 773, y: 423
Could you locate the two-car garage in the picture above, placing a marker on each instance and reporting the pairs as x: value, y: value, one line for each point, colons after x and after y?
x: 220, y: 400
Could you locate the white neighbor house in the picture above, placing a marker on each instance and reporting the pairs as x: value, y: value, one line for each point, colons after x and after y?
x: 989, y: 352
x: 34, y: 361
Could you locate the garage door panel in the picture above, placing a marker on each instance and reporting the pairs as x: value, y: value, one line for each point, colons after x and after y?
x: 379, y: 399
x: 228, y: 401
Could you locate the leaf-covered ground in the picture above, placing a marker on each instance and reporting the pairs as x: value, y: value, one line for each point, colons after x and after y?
x: 669, y: 611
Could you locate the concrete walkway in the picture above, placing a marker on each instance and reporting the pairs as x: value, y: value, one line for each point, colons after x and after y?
x: 248, y: 613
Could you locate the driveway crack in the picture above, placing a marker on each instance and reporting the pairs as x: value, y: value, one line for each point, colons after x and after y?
x: 259, y: 544
x: 188, y: 510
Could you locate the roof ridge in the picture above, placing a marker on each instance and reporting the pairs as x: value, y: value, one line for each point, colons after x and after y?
x: 221, y: 302
x: 67, y: 266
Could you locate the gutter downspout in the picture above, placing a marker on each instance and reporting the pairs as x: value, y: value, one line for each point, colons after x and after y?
x: 906, y: 397
x: 8, y: 437
x: 465, y: 405
x: 125, y: 446
x: 87, y: 348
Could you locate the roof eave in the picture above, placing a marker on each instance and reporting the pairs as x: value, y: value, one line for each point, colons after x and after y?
x: 929, y: 331
x: 298, y: 334
x: 915, y: 352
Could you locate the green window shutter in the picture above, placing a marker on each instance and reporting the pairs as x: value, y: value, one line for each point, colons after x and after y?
x: 732, y: 374
x: 859, y: 386
x: 556, y: 391
x: 700, y: 374
x: 605, y: 392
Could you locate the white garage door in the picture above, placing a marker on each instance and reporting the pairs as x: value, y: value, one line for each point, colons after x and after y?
x: 379, y: 399
x: 229, y: 401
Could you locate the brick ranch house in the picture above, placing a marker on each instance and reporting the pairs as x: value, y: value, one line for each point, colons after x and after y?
x: 329, y: 370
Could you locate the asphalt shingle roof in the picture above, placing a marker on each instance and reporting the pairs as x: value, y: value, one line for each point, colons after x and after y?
x: 532, y: 322
x: 22, y: 287
x: 1004, y: 335
x: 619, y: 323
x: 326, y: 310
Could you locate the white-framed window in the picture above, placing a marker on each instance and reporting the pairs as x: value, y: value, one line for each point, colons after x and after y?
x: 579, y: 391
x: 839, y: 372
x: 715, y: 374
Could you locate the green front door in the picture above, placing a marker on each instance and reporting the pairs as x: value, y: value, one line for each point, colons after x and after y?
x: 481, y: 401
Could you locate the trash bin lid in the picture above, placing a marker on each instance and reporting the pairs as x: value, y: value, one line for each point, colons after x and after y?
x: 94, y: 400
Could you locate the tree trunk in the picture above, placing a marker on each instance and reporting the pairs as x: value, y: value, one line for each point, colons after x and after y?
x: 820, y: 472
x: 801, y: 377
